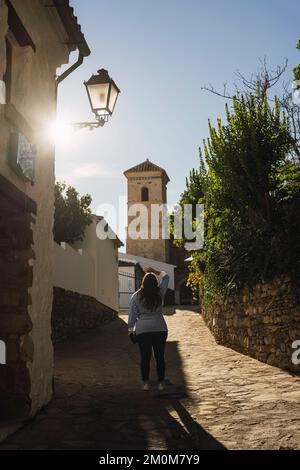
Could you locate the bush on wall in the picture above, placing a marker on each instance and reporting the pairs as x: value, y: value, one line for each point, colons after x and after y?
x: 250, y: 185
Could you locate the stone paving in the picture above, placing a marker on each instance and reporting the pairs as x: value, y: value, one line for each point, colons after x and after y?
x: 215, y: 398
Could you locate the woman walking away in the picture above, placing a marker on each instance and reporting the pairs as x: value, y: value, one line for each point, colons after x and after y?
x: 146, y: 322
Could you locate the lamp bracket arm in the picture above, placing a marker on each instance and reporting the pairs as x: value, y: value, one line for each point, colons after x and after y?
x: 88, y: 125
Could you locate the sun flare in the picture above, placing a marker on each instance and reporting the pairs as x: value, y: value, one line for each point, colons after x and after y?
x: 60, y: 132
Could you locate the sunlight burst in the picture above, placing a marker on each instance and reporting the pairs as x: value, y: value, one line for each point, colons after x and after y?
x: 61, y: 132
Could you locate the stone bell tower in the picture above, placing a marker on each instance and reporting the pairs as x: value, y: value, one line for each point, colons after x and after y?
x: 147, y: 185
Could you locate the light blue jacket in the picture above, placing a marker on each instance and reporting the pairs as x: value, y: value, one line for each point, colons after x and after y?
x: 143, y: 320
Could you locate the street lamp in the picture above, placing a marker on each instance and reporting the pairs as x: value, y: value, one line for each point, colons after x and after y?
x: 102, y: 93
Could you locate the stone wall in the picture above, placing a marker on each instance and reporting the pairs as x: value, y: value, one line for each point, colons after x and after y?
x: 73, y: 313
x: 262, y: 324
x: 16, y: 274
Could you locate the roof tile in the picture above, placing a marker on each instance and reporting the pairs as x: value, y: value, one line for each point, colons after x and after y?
x: 146, y: 166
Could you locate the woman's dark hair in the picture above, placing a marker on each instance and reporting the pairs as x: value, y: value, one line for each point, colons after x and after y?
x: 149, y: 292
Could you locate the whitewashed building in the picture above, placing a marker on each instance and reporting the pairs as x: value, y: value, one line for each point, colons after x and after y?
x: 89, y: 267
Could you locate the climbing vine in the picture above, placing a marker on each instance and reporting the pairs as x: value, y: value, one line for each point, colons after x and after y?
x: 250, y: 184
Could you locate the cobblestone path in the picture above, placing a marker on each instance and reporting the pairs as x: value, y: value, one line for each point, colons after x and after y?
x: 215, y: 398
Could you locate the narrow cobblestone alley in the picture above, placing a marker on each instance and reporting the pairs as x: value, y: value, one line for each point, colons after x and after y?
x: 215, y: 398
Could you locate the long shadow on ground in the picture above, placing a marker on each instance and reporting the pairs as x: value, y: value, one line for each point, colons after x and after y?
x: 98, y: 403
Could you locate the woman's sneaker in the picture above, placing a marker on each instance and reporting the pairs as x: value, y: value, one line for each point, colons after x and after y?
x: 145, y: 386
x: 161, y: 386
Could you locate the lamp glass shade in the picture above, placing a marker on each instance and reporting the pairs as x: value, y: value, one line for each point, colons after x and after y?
x: 102, y: 93
x: 98, y: 96
x: 112, y: 97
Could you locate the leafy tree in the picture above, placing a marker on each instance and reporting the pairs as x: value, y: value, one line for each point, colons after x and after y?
x: 194, y: 192
x: 268, y: 79
x: 72, y: 214
x: 297, y: 68
x: 251, y: 188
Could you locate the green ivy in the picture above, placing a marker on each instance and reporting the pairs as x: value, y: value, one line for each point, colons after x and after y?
x: 251, y: 189
x: 297, y: 68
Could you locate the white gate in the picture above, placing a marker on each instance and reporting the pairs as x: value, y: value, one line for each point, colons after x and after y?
x: 126, y: 289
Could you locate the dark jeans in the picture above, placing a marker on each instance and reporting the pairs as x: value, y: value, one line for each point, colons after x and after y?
x: 155, y: 340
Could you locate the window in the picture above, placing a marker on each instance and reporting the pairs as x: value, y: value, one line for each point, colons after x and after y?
x: 145, y: 194
x: 17, y: 40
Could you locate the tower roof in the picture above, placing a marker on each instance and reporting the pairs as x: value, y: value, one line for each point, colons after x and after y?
x: 146, y: 166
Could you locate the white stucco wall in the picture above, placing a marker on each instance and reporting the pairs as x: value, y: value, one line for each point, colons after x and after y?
x: 130, y: 270
x: 73, y: 270
x: 34, y: 97
x: 107, y: 273
x: 93, y: 273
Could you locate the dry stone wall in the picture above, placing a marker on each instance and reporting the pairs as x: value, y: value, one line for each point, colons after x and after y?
x: 73, y: 313
x: 263, y: 323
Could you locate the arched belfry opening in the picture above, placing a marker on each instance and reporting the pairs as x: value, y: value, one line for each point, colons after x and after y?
x: 144, y: 194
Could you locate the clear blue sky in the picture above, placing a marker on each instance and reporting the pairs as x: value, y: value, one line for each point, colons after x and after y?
x: 160, y: 53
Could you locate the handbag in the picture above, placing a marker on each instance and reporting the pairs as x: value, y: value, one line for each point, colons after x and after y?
x: 132, y: 337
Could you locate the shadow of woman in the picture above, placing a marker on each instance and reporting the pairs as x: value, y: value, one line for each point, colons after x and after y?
x: 98, y: 403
